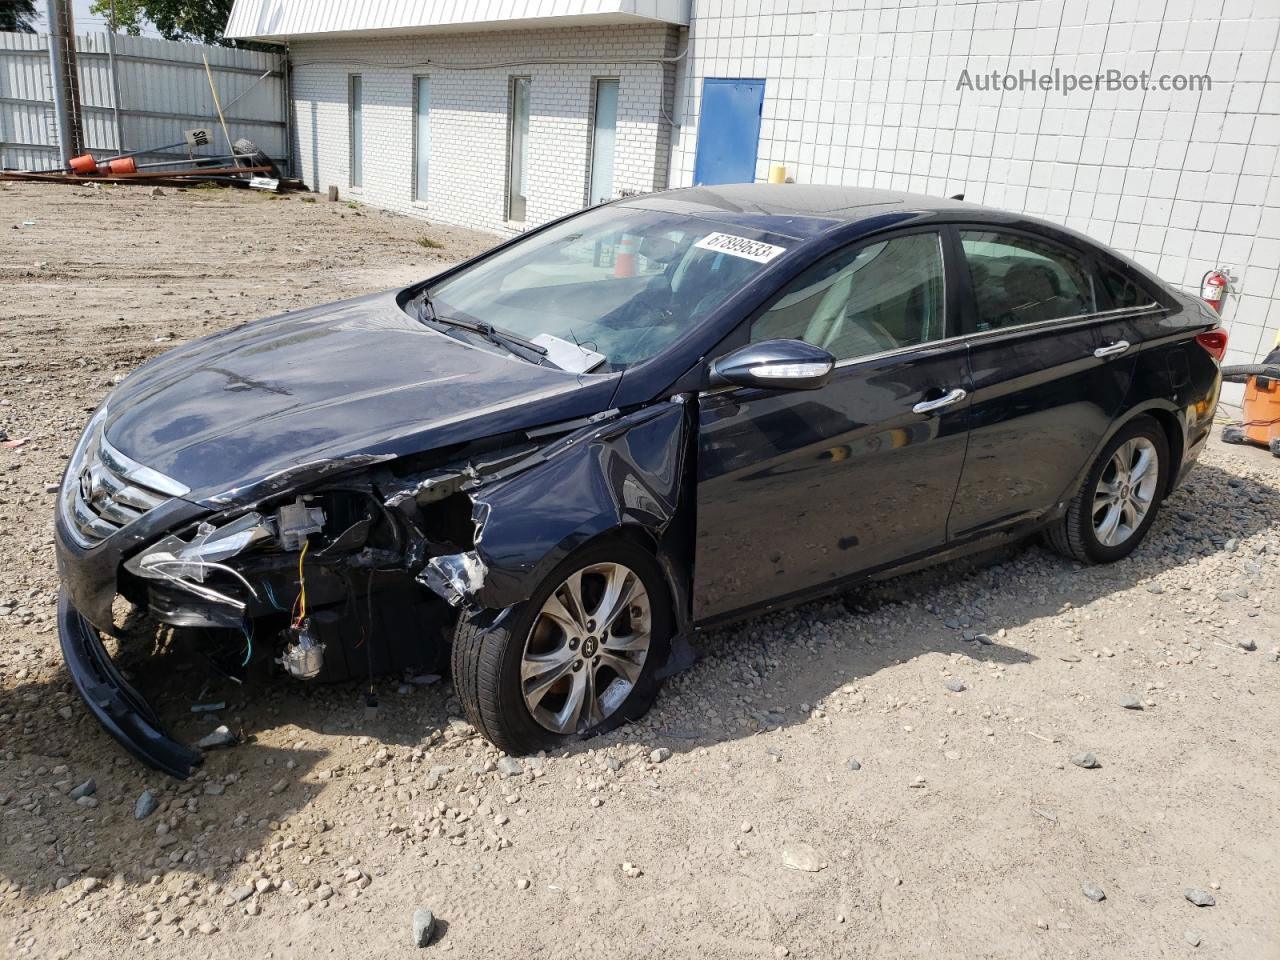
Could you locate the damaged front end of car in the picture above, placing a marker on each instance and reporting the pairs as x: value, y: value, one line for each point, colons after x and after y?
x: 357, y: 566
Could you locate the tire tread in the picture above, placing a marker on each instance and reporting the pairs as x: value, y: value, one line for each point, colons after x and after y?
x: 477, y: 667
x: 1066, y: 536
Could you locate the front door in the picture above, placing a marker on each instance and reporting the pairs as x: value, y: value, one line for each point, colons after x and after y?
x: 799, y: 489
x: 728, y: 131
x: 1050, y: 373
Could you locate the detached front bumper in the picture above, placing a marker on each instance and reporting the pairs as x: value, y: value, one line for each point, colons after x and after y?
x: 113, y: 701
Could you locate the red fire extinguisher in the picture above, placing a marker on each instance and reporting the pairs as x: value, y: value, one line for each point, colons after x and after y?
x: 1213, y: 289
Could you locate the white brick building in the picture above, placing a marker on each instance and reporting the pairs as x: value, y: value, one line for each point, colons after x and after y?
x: 475, y: 68
x: 858, y: 92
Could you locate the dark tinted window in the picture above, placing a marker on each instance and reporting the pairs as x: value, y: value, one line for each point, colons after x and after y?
x: 1020, y: 279
x: 1125, y: 290
x: 867, y: 300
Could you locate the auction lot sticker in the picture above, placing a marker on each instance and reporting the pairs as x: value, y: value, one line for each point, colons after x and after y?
x: 740, y: 247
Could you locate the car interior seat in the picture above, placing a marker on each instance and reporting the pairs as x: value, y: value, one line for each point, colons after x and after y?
x: 1033, y: 292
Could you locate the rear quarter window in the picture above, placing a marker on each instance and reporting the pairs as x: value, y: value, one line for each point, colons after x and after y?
x: 1125, y: 289
x: 1020, y: 279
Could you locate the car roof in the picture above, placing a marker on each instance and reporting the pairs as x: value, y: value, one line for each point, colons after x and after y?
x: 805, y: 211
x: 799, y: 210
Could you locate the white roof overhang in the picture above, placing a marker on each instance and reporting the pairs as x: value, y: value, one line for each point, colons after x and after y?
x: 282, y: 20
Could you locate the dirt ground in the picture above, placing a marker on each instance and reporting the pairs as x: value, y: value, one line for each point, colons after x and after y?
x: 814, y: 787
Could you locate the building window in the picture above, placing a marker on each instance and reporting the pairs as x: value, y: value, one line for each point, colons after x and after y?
x: 355, y: 99
x: 422, y: 136
x: 518, y: 149
x: 603, y: 139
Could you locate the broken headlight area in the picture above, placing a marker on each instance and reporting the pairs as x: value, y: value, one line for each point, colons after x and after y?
x: 322, y: 584
x: 333, y: 583
x: 364, y: 575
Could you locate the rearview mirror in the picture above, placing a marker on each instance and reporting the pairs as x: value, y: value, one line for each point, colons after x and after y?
x: 774, y: 365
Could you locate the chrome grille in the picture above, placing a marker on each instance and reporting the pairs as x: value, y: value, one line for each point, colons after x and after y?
x: 109, y: 491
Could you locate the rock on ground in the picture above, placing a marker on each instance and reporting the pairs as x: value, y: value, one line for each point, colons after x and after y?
x: 1201, y: 898
x: 424, y: 924
x: 801, y: 856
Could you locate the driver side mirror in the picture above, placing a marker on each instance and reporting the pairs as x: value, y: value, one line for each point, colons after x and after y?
x: 774, y: 365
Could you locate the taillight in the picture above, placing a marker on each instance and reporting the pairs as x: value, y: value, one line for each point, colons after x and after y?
x: 1214, y: 341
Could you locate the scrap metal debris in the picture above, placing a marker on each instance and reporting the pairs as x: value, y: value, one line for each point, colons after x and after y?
x: 244, y: 166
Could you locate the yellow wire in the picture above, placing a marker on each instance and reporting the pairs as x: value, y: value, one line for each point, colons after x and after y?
x: 302, y: 582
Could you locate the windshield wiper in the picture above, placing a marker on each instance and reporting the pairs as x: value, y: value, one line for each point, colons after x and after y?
x: 426, y: 307
x: 512, y: 342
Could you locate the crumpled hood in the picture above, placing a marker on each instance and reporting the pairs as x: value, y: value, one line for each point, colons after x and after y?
x: 357, y: 380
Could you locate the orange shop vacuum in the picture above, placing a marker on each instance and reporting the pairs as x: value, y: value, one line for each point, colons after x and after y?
x: 1261, y: 423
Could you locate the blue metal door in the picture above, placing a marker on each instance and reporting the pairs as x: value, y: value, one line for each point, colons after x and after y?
x: 728, y: 131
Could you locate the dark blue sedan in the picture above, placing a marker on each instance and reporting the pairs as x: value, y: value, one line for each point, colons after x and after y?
x: 551, y: 465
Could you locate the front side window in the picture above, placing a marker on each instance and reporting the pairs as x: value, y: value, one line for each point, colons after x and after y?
x: 1021, y: 279
x: 622, y: 281
x: 874, y: 298
x: 355, y: 98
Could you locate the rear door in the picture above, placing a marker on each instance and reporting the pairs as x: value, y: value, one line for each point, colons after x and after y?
x: 1051, y: 367
x: 798, y: 489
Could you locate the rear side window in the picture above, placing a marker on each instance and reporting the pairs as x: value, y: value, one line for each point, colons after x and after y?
x: 864, y: 300
x: 1124, y: 290
x: 1021, y: 279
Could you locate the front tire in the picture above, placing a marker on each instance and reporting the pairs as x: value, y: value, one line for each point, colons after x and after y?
x: 1119, y: 499
x: 576, y: 659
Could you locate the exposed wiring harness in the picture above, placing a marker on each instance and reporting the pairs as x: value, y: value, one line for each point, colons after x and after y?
x: 271, y: 597
x: 300, y: 604
x: 246, y: 627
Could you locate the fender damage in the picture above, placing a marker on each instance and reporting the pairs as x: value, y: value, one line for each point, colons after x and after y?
x: 625, y: 471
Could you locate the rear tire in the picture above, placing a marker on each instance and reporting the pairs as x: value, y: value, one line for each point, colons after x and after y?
x: 1118, y: 501
x: 500, y: 665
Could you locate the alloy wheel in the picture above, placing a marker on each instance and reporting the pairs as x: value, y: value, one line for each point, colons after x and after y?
x: 586, y: 648
x: 1126, y: 491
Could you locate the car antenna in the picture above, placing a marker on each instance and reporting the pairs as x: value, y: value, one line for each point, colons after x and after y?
x: 958, y: 196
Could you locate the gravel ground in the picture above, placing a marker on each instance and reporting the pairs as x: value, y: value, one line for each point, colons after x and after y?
x: 902, y: 771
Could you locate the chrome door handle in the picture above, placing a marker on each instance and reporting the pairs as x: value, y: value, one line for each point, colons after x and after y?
x: 1111, y: 349
x: 928, y: 406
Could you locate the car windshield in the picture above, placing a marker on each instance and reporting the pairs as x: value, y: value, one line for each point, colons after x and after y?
x: 618, y: 281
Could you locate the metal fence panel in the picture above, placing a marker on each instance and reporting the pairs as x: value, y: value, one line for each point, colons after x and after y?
x: 163, y: 91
